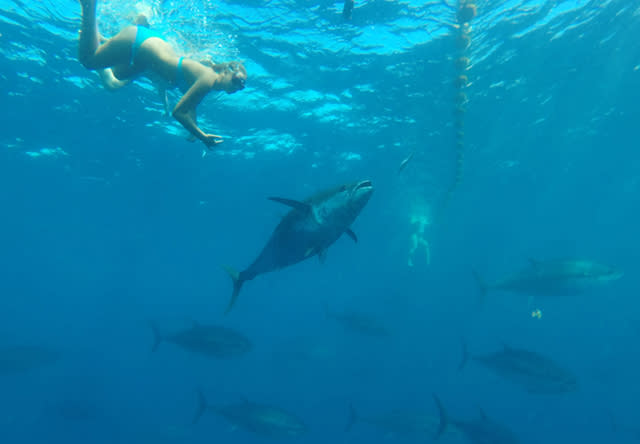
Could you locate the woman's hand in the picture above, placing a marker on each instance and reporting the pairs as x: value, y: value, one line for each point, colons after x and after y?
x: 211, y: 140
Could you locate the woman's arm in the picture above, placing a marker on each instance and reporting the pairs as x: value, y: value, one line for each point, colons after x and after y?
x: 185, y: 110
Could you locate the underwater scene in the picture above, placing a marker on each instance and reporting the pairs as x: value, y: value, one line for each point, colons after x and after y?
x: 312, y: 221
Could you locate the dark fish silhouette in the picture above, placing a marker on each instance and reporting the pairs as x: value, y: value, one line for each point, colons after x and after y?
x: 405, y: 423
x: 307, y: 230
x: 261, y: 419
x: 481, y: 431
x: 211, y: 340
x: 533, y: 371
x: 357, y: 322
x: 21, y: 358
x: 554, y: 278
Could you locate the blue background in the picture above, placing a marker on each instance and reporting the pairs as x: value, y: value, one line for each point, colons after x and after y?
x: 121, y: 220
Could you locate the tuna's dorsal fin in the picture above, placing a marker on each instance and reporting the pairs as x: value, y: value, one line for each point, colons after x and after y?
x: 304, y: 207
x: 352, y: 235
x: 322, y: 256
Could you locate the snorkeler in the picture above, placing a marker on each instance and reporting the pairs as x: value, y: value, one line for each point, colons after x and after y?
x: 417, y: 238
x: 137, y: 50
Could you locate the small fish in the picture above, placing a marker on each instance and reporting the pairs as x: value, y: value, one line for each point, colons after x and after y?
x: 404, y: 163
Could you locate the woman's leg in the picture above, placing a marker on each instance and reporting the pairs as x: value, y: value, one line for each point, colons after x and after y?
x: 114, y: 51
x: 89, y: 37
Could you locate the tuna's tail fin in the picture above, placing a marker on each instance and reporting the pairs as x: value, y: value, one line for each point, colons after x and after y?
x: 202, y: 406
x: 353, y: 418
x: 237, y: 285
x: 444, y: 420
x: 465, y: 355
x: 157, y: 337
x: 482, y: 287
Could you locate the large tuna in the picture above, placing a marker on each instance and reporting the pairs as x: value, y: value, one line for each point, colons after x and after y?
x: 307, y: 230
x: 554, y: 278
x: 260, y: 419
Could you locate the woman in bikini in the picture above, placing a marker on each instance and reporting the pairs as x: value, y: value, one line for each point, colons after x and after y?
x: 136, y: 50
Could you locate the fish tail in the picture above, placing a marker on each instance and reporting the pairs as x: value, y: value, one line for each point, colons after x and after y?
x: 465, y: 355
x: 482, y: 287
x: 237, y: 285
x: 444, y: 421
x: 157, y: 337
x: 352, y: 419
x: 201, y: 408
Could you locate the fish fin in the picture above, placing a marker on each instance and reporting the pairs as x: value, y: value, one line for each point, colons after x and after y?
x: 465, y: 355
x: 352, y: 235
x: 157, y: 337
x: 310, y: 251
x: 444, y: 421
x: 322, y: 256
x: 302, y: 206
x: 483, y: 415
x: 482, y: 287
x: 237, y: 285
x: 352, y: 419
x: 202, y: 406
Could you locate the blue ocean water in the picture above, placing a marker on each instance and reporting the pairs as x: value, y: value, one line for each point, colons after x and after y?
x: 111, y: 218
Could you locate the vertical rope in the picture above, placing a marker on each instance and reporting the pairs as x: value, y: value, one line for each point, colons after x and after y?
x: 465, y: 12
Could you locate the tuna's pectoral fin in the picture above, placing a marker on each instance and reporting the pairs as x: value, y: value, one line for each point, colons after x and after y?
x: 304, y: 207
x: 202, y: 406
x: 353, y: 418
x: 157, y: 337
x: 444, y: 421
x: 237, y: 285
x: 352, y: 235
